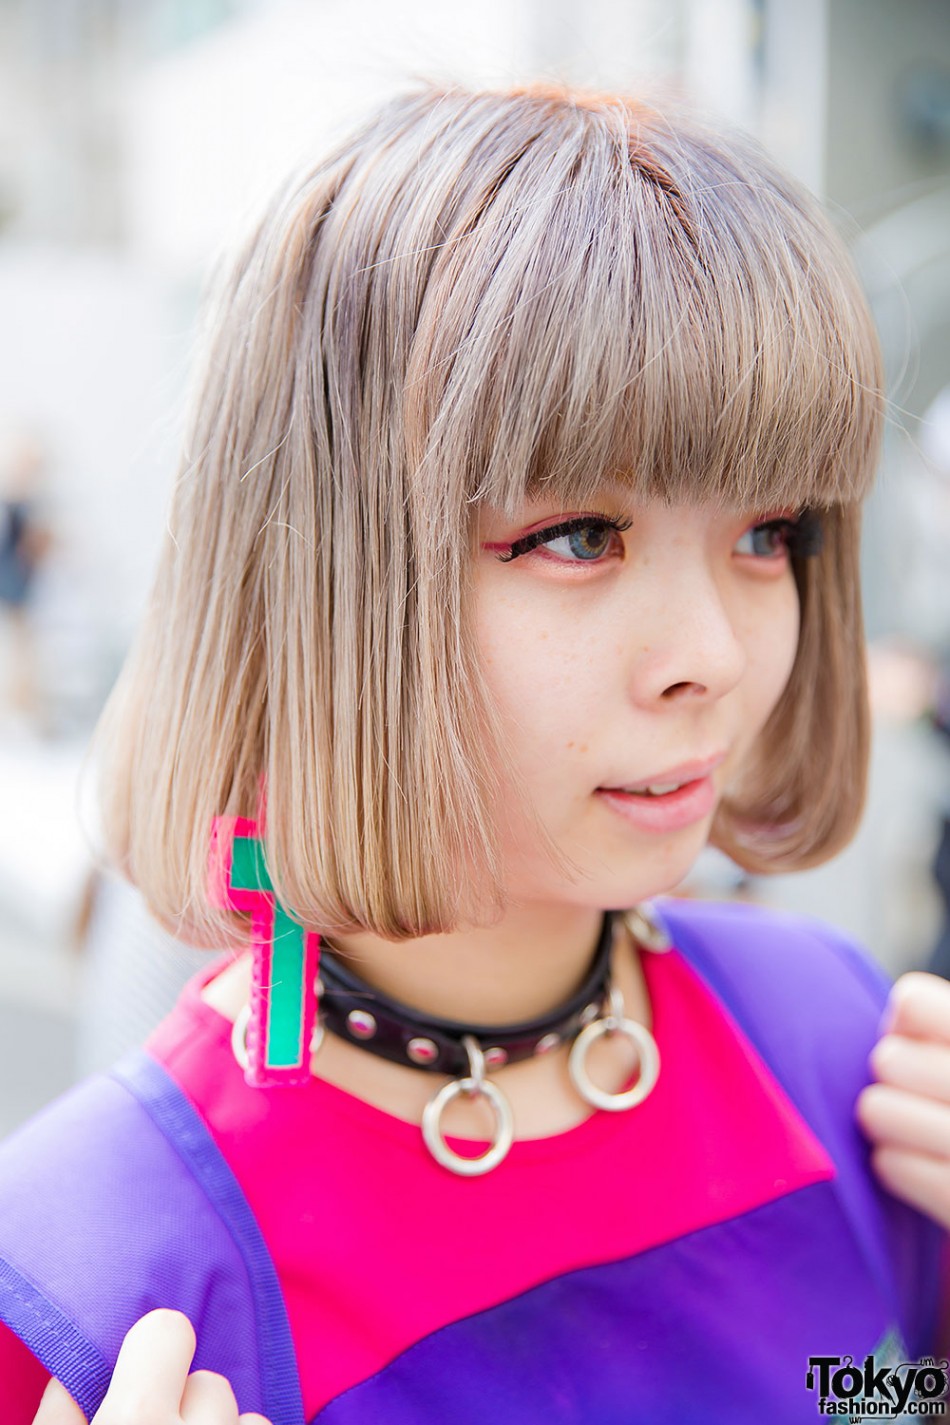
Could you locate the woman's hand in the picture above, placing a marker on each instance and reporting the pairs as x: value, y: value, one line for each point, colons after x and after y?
x: 151, y: 1385
x: 906, y: 1113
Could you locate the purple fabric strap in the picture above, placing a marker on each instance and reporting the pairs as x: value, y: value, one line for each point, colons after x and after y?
x: 158, y: 1198
x: 732, y: 954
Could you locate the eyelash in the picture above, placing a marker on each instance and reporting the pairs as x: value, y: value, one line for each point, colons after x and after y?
x: 558, y: 531
x: 803, y: 535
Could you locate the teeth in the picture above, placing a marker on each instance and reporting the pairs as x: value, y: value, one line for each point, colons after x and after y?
x: 657, y: 789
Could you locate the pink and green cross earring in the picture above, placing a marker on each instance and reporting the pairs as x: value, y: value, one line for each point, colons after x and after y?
x: 285, y: 958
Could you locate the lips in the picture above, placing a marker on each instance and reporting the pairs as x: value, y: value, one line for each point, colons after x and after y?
x: 682, y: 796
x: 691, y: 803
x: 671, y: 778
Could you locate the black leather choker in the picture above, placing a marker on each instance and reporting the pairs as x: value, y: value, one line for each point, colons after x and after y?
x: 356, y: 1011
x: 467, y: 1051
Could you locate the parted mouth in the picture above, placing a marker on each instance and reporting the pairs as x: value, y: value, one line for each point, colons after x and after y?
x: 670, y: 780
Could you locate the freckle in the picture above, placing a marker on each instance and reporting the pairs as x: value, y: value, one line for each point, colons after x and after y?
x: 542, y: 637
x: 568, y: 745
x: 583, y: 747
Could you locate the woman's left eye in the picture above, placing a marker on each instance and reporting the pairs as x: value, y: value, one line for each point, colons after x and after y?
x: 768, y: 540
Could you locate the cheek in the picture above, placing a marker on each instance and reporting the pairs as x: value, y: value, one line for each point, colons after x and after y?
x: 544, y: 684
x: 541, y: 693
x: 773, y: 645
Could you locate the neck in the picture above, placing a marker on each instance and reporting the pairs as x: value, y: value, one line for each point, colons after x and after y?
x: 523, y: 966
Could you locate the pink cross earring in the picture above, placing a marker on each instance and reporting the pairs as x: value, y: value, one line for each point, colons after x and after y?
x: 285, y: 957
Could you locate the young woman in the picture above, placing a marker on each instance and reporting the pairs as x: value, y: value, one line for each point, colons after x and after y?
x: 514, y: 557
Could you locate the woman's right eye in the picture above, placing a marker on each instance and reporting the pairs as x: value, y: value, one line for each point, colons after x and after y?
x: 584, y: 540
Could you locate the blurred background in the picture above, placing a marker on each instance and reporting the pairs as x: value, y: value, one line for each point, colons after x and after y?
x: 136, y: 136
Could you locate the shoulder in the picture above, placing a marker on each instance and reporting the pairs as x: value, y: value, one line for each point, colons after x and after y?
x: 86, y: 1131
x: 748, y: 925
x: 810, y: 1001
x: 112, y: 1201
x: 68, y: 1179
x: 793, y: 955
x: 804, y: 993
x: 101, y: 1139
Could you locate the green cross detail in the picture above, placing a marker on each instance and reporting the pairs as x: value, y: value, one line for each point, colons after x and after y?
x: 284, y: 1026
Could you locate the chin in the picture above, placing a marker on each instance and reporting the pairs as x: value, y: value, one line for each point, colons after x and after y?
x: 654, y: 877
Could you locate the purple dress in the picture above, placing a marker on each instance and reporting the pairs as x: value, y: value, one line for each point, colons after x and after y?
x: 679, y: 1262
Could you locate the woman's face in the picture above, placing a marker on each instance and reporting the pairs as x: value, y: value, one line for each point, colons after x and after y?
x: 628, y: 658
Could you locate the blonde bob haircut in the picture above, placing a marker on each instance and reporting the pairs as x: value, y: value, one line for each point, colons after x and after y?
x: 481, y: 296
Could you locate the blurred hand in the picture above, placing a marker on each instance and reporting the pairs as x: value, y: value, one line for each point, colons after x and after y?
x: 906, y: 1113
x: 151, y: 1384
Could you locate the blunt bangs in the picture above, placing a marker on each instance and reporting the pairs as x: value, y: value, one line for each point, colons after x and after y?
x: 655, y: 307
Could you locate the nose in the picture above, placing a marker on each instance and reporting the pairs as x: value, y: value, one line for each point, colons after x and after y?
x: 690, y: 644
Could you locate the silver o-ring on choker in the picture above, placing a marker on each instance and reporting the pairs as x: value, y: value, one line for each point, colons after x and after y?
x: 476, y: 1083
x: 614, y: 1022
